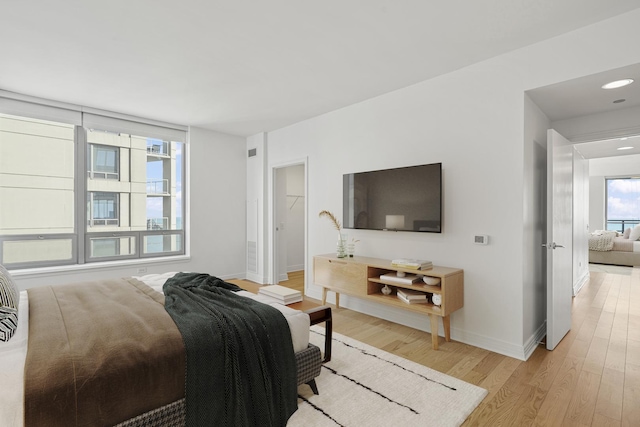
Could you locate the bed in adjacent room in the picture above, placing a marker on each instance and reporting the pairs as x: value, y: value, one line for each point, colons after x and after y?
x: 611, y: 247
x: 109, y: 352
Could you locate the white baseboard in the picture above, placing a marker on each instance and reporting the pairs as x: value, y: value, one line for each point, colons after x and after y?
x: 578, y: 284
x: 422, y: 323
x: 256, y: 278
x: 534, y: 341
x: 283, y: 277
x: 234, y: 276
x: 298, y: 267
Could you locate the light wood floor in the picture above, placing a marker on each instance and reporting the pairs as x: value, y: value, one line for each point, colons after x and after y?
x: 592, y: 378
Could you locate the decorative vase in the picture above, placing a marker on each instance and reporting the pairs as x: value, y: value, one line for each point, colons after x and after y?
x: 386, y: 290
x: 341, y: 250
x: 351, y: 249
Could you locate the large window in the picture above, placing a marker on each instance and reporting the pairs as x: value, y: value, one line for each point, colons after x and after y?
x: 623, y: 203
x: 95, y: 188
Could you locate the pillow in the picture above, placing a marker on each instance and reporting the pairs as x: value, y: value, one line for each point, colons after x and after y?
x: 635, y: 233
x: 626, y: 233
x: 8, y: 305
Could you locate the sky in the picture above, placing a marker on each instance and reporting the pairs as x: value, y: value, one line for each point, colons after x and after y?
x: 623, y: 198
x: 154, y: 171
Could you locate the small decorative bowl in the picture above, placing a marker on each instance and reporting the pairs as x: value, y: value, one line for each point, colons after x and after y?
x: 432, y: 281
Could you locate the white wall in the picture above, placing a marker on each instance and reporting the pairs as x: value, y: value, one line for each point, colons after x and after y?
x: 256, y: 209
x: 580, y: 221
x: 472, y: 121
x: 218, y: 187
x: 596, y: 202
x: 217, y: 183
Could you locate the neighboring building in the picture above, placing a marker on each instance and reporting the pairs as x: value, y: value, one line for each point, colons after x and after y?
x: 132, y: 185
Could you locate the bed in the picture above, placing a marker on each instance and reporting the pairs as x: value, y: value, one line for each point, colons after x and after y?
x: 610, y: 247
x: 109, y: 352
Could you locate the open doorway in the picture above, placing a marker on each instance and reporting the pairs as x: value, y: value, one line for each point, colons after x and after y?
x: 289, y: 226
x: 613, y: 202
x: 585, y: 113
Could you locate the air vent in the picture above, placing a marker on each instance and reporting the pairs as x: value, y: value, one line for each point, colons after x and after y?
x: 253, y: 152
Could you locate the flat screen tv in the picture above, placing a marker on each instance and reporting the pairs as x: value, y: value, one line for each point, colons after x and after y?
x: 399, y: 199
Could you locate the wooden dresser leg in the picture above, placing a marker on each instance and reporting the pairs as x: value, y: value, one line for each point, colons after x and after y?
x: 434, y: 331
x: 324, y: 296
x: 446, y: 323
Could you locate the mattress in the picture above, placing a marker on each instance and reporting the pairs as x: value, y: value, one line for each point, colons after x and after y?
x: 13, y: 353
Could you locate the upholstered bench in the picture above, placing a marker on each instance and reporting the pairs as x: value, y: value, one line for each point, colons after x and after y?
x: 310, y: 361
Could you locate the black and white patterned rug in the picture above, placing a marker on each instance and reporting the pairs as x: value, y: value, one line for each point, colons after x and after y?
x: 365, y: 386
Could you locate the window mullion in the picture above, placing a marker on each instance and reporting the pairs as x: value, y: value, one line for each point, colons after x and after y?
x: 81, y: 191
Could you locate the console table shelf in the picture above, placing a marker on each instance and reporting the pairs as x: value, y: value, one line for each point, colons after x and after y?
x: 360, y: 277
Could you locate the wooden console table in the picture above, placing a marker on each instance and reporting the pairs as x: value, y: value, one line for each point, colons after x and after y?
x: 360, y: 277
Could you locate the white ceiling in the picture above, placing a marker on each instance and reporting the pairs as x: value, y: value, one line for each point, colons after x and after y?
x: 584, y: 96
x: 609, y: 147
x: 244, y: 67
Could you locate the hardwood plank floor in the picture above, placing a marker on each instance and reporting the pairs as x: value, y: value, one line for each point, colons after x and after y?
x: 592, y: 378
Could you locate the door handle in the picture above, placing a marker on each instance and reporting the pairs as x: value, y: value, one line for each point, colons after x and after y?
x: 551, y: 245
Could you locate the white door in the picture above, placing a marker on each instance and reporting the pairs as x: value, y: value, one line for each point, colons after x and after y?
x: 559, y: 237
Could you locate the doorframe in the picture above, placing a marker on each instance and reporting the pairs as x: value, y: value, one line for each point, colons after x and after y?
x: 272, y: 257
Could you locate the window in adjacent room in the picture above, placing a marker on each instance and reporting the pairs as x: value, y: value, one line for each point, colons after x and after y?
x: 623, y: 203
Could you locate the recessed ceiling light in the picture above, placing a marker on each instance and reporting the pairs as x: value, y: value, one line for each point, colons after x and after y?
x: 617, y: 84
x: 625, y: 148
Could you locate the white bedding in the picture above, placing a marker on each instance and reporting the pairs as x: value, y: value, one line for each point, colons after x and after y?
x: 14, y: 352
x: 12, y: 357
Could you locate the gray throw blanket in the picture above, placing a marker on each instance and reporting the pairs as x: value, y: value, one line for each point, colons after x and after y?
x: 241, y: 368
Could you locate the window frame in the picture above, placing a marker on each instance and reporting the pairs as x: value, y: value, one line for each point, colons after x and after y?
x: 83, y: 118
x: 623, y: 222
x: 40, y: 237
x: 110, y: 235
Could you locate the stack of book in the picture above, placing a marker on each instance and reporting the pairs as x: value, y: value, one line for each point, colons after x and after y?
x: 412, y: 264
x: 280, y: 294
x: 407, y: 279
x: 412, y: 297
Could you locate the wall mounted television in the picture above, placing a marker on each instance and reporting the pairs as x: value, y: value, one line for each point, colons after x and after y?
x: 399, y: 199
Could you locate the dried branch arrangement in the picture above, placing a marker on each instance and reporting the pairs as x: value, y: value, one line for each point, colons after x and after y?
x: 333, y: 219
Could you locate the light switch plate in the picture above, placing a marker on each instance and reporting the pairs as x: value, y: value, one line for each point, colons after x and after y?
x: 481, y: 239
